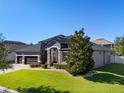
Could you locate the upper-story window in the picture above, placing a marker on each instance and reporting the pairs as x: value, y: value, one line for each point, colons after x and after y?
x: 64, y: 45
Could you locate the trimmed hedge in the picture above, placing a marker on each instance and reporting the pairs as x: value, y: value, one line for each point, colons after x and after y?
x: 59, y: 66
x: 35, y: 65
x: 44, y: 66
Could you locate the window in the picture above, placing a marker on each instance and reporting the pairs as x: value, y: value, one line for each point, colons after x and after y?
x: 64, y: 45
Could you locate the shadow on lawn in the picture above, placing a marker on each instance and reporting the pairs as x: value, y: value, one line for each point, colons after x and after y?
x: 106, y: 78
x: 113, y: 68
x: 40, y: 89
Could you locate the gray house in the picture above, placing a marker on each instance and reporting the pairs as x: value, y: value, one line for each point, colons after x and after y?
x: 53, y: 50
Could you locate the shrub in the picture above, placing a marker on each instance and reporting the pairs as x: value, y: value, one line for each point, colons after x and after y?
x: 11, y: 62
x: 79, y: 58
x: 41, y: 89
x: 44, y: 66
x: 78, y: 68
x: 59, y: 66
x: 35, y: 65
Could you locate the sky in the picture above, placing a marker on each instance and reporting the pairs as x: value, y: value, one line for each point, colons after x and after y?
x: 31, y: 21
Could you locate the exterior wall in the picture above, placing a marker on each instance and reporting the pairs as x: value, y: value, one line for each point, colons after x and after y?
x: 107, y: 57
x: 101, y: 58
x: 11, y: 56
x: 98, y: 57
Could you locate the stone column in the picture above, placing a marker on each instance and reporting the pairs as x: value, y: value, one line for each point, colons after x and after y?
x: 59, y: 56
x: 38, y: 58
x: 23, y: 59
x: 48, y: 58
x: 16, y: 59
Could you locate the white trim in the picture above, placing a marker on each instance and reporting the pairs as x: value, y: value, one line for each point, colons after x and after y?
x: 53, y: 47
x: 27, y: 55
x: 23, y: 57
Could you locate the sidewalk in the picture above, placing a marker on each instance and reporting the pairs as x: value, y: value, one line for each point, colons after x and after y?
x: 5, y: 90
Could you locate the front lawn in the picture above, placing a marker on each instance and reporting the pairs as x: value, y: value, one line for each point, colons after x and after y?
x: 108, y: 79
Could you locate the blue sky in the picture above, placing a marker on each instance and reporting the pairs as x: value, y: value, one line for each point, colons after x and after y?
x: 34, y: 20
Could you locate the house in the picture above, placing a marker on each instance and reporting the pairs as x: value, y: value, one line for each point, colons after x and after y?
x: 11, y: 47
x: 53, y: 50
x: 104, y: 42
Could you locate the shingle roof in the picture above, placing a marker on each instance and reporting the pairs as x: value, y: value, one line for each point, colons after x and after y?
x: 13, y: 42
x: 31, y: 48
x: 102, y: 41
x: 14, y: 45
x: 59, y: 38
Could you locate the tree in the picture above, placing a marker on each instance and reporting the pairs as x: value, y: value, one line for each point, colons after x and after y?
x: 3, y: 52
x: 119, y: 46
x: 79, y: 58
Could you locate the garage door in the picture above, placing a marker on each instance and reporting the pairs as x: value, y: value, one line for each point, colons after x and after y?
x: 98, y: 57
x: 19, y: 59
x: 31, y: 59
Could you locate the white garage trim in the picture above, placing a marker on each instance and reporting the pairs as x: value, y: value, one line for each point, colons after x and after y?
x: 23, y: 58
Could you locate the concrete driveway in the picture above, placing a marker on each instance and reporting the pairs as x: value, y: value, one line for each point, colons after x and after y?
x: 15, y: 67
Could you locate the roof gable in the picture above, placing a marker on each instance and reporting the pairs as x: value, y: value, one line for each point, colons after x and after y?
x: 102, y: 41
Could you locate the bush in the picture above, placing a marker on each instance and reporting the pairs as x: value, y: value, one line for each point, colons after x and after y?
x: 4, y: 65
x: 35, y: 65
x: 41, y: 89
x: 79, y: 58
x: 11, y: 62
x: 79, y: 68
x: 44, y: 66
x: 59, y: 66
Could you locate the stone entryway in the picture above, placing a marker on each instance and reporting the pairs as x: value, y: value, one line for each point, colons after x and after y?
x: 53, y: 55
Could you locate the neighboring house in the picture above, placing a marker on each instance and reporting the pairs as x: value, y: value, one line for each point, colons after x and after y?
x: 103, y: 42
x: 11, y: 47
x: 53, y: 50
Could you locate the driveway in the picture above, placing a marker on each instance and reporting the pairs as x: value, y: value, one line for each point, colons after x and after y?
x: 15, y: 67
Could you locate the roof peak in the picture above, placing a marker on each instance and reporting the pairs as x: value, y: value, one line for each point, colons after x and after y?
x: 60, y: 35
x: 102, y: 41
x: 16, y: 42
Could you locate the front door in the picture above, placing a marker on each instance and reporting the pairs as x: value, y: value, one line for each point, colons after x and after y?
x: 54, y: 55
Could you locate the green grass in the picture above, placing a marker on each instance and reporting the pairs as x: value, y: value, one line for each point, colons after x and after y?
x: 107, y: 79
